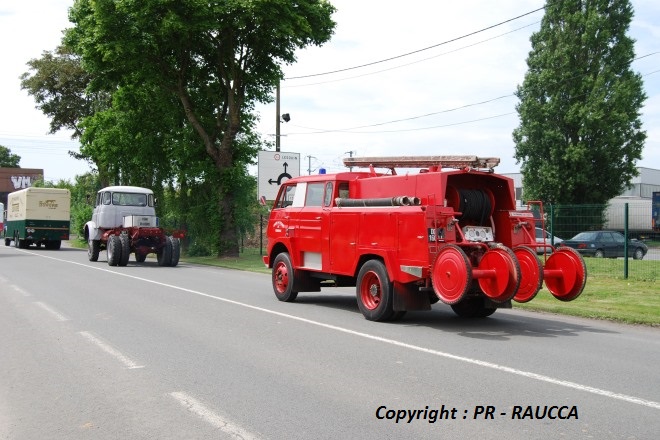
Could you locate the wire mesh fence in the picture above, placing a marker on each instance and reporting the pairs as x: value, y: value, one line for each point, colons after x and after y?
x: 618, y: 239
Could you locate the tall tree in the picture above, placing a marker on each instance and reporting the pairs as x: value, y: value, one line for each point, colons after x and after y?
x: 218, y: 58
x: 8, y: 159
x: 580, y: 133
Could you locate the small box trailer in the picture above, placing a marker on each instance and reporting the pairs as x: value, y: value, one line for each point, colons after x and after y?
x: 38, y: 216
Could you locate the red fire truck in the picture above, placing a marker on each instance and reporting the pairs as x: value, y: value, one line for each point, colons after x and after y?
x: 450, y: 232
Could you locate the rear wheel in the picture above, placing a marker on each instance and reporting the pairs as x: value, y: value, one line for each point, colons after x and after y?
x: 176, y: 250
x: 472, y: 308
x: 125, y: 243
x: 164, y: 255
x: 375, y: 291
x: 113, y: 250
x: 599, y: 253
x: 53, y: 245
x: 93, y: 249
x: 283, y: 277
x: 7, y: 241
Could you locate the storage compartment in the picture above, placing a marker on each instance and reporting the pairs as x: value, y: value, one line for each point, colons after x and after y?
x: 140, y: 221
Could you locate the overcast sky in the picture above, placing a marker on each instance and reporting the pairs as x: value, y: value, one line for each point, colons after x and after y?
x: 455, y: 98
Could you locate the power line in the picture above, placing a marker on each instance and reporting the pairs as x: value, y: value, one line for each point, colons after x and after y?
x: 413, y: 62
x: 418, y: 50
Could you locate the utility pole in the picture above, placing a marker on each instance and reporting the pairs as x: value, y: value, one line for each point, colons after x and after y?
x: 309, y: 164
x: 350, y: 154
x: 277, y: 117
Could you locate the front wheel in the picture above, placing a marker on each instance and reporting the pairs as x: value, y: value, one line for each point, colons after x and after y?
x: 93, y: 249
x: 375, y: 291
x: 638, y: 254
x: 283, y: 277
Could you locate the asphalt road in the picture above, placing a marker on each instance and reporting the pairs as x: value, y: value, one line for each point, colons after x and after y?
x: 144, y: 352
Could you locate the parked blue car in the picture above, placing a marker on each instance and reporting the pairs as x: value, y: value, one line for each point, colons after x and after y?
x: 605, y: 244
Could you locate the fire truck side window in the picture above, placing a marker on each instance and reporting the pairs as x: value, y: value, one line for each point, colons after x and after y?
x: 314, y: 194
x: 327, y: 199
x: 342, y: 189
x: 286, y: 196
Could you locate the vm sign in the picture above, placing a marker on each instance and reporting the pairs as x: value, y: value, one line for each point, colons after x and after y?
x: 275, y: 168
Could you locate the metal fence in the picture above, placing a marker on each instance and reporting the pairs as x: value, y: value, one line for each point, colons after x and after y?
x: 632, y: 219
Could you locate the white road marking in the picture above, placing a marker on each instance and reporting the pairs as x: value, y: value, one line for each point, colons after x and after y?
x: 111, y: 350
x: 52, y: 311
x: 226, y: 426
x: 491, y: 365
x: 19, y: 290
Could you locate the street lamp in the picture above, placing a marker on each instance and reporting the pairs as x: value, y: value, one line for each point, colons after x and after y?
x: 285, y: 117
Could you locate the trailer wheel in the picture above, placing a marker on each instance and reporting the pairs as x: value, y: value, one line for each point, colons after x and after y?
x: 113, y: 250
x: 282, y: 278
x: 531, y: 274
x: 125, y: 243
x: 566, y: 274
x: 176, y: 250
x: 93, y: 249
x: 164, y: 255
x: 451, y: 274
x: 472, y: 308
x: 375, y: 291
x: 498, y: 274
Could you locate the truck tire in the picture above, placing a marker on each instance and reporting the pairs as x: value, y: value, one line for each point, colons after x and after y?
x: 176, y: 250
x: 16, y: 240
x: 140, y: 257
x: 93, y: 249
x: 114, y: 250
x: 472, y: 308
x: 125, y: 243
x: 7, y: 241
x: 282, y: 278
x: 164, y: 254
x: 53, y: 245
x: 375, y: 291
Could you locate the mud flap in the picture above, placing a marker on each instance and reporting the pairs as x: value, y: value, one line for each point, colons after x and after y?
x: 409, y: 297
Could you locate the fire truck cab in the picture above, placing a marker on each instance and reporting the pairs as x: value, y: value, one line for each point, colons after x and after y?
x: 407, y: 241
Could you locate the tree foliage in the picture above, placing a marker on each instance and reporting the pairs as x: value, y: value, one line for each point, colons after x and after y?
x: 216, y: 58
x: 8, y: 159
x: 580, y: 133
x: 58, y: 84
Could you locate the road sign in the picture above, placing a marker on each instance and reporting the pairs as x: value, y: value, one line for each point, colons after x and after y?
x: 275, y: 168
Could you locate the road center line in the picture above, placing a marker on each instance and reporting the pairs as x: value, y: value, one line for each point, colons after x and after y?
x: 110, y: 350
x: 197, y: 408
x: 491, y: 365
x: 52, y: 311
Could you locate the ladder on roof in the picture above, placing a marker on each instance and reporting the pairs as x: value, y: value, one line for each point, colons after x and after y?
x: 423, y: 162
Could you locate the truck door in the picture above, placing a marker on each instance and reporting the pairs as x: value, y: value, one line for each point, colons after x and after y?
x: 310, y: 220
x: 343, y: 234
